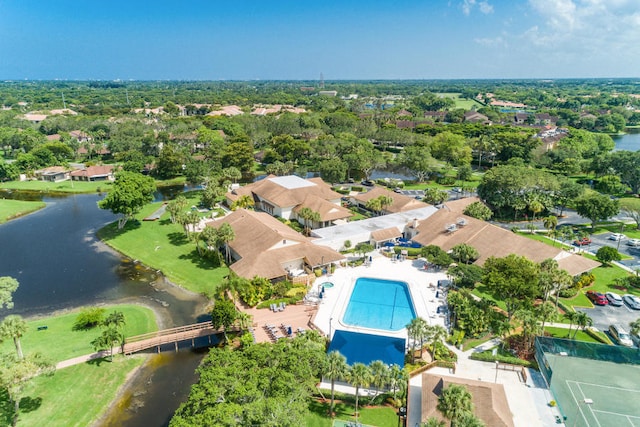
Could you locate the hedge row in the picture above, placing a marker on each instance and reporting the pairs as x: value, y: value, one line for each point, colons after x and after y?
x: 489, y: 357
x: 597, y: 335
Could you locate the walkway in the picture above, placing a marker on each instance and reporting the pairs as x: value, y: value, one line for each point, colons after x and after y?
x: 519, y: 395
x: 157, y: 214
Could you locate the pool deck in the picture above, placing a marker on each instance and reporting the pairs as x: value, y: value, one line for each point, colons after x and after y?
x: 332, y: 307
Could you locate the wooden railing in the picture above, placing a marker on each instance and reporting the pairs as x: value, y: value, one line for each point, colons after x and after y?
x: 172, y: 335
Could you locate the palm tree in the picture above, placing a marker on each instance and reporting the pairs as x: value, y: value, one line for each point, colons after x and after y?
x: 550, y: 223
x: 307, y: 214
x: 14, y: 327
x: 582, y: 321
x: 416, y: 330
x: 468, y: 419
x: 115, y: 319
x: 536, y: 207
x: 224, y: 235
x: 209, y: 236
x: 502, y: 329
x: 244, y: 320
x: 547, y: 312
x: 336, y: 369
x: 530, y: 327
x: 380, y: 374
x: 385, y: 201
x: 571, y: 317
x: 243, y: 202
x: 359, y: 376
x: 374, y: 205
x: 434, y: 422
x: 562, y: 280
x: 397, y: 379
x: 454, y: 401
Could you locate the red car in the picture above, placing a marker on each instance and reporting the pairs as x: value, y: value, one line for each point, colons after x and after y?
x: 597, y: 298
x: 582, y: 242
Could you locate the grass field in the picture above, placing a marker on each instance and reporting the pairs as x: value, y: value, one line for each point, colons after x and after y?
x: 63, y: 186
x: 380, y: 416
x: 465, y: 103
x: 74, y: 396
x: 10, y: 209
x: 563, y: 333
x: 60, y: 342
x: 163, y: 246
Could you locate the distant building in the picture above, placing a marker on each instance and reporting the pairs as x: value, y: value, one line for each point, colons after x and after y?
x: 475, y: 117
x: 328, y: 93
x: 94, y: 173
x: 52, y: 174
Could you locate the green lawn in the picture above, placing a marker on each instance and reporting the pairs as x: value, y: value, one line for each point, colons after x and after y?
x: 63, y: 186
x: 465, y: 103
x: 163, y: 246
x: 563, y: 333
x: 60, y: 342
x: 10, y: 209
x: 380, y: 416
x: 74, y: 396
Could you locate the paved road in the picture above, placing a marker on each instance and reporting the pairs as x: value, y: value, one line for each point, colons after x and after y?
x: 605, y: 316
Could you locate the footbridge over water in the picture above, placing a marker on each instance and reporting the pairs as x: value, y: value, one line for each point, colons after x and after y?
x: 172, y: 335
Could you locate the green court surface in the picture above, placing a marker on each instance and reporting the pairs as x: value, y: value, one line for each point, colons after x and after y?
x: 596, y: 393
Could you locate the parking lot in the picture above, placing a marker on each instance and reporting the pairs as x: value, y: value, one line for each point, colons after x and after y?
x: 604, y: 316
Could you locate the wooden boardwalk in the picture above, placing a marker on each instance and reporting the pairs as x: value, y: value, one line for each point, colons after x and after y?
x: 172, y: 335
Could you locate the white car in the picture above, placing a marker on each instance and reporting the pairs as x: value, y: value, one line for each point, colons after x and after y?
x: 614, y: 299
x: 617, y: 236
x: 633, y: 242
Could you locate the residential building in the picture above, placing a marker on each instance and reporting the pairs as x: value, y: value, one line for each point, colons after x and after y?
x: 265, y: 247
x: 94, y: 173
x: 401, y: 203
x: 286, y: 196
x: 475, y: 117
x: 52, y: 174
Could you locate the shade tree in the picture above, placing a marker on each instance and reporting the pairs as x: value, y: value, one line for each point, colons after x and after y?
x: 513, y: 279
x: 129, y: 193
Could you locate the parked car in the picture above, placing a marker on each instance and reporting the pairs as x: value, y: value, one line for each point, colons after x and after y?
x: 633, y: 242
x: 632, y: 301
x: 617, y: 236
x: 614, y: 299
x: 367, y: 182
x: 582, y: 242
x: 620, y: 335
x: 597, y: 298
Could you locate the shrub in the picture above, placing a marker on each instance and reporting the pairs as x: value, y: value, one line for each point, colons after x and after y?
x: 88, y: 318
x: 318, y: 272
x: 487, y: 356
x: 569, y: 292
x: 597, y: 335
x: 412, y: 252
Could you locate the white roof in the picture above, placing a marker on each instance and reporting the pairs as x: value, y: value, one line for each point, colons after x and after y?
x: 360, y: 231
x: 292, y: 182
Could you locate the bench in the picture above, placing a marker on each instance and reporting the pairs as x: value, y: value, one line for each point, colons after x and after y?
x: 43, y: 328
x: 515, y: 368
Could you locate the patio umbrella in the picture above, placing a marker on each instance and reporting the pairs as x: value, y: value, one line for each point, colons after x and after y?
x: 389, y: 244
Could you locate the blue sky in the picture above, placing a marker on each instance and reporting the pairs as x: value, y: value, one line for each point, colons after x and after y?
x: 345, y: 39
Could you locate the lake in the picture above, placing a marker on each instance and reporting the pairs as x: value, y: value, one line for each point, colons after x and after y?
x: 60, y: 265
x: 629, y: 141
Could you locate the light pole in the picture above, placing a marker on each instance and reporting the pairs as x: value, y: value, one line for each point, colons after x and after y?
x: 586, y: 401
x: 621, y: 228
x: 496, y: 380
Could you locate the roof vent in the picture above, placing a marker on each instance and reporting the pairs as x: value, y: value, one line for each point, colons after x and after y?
x: 461, y: 222
x: 450, y: 228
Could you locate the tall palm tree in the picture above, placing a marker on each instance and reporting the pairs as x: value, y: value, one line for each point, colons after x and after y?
x: 335, y: 369
x: 582, y: 321
x: 502, y: 329
x: 547, y: 312
x: 14, y: 327
x: 561, y: 280
x: 115, y: 319
x: 308, y: 214
x: 571, y: 317
x: 379, y: 374
x: 530, y: 327
x: 550, y: 223
x: 398, y: 379
x: 454, y: 401
x: 224, y: 235
x: 385, y: 202
x: 416, y: 330
x: 359, y: 376
x: 244, y: 320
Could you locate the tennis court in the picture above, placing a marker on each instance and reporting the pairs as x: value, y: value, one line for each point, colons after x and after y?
x: 595, y: 393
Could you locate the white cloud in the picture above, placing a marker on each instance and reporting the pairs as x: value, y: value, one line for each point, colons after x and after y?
x: 483, y: 5
x: 491, y: 42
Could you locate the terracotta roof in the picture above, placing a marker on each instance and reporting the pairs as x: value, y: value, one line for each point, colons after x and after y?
x: 263, y: 244
x: 51, y: 170
x: 489, y: 400
x: 401, y: 203
x: 328, y: 211
x: 490, y: 240
x: 93, y: 171
x: 273, y: 190
x: 386, y: 234
x: 54, y: 137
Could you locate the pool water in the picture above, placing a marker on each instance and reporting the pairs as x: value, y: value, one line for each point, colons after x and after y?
x: 379, y: 304
x: 326, y: 285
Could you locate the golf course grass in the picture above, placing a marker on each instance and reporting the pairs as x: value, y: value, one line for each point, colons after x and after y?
x: 60, y: 342
x: 164, y: 246
x: 10, y: 209
x: 59, y: 187
x: 381, y: 416
x: 74, y: 396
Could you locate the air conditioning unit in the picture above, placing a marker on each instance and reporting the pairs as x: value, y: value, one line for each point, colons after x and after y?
x: 450, y: 228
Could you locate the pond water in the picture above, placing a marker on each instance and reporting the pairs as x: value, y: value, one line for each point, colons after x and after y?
x: 60, y: 264
x: 629, y: 141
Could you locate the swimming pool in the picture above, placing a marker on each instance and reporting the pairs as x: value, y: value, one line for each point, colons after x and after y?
x: 379, y: 304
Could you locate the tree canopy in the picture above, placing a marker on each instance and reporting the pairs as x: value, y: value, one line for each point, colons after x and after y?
x: 130, y: 192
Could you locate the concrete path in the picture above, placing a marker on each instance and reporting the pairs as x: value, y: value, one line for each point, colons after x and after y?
x: 86, y: 358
